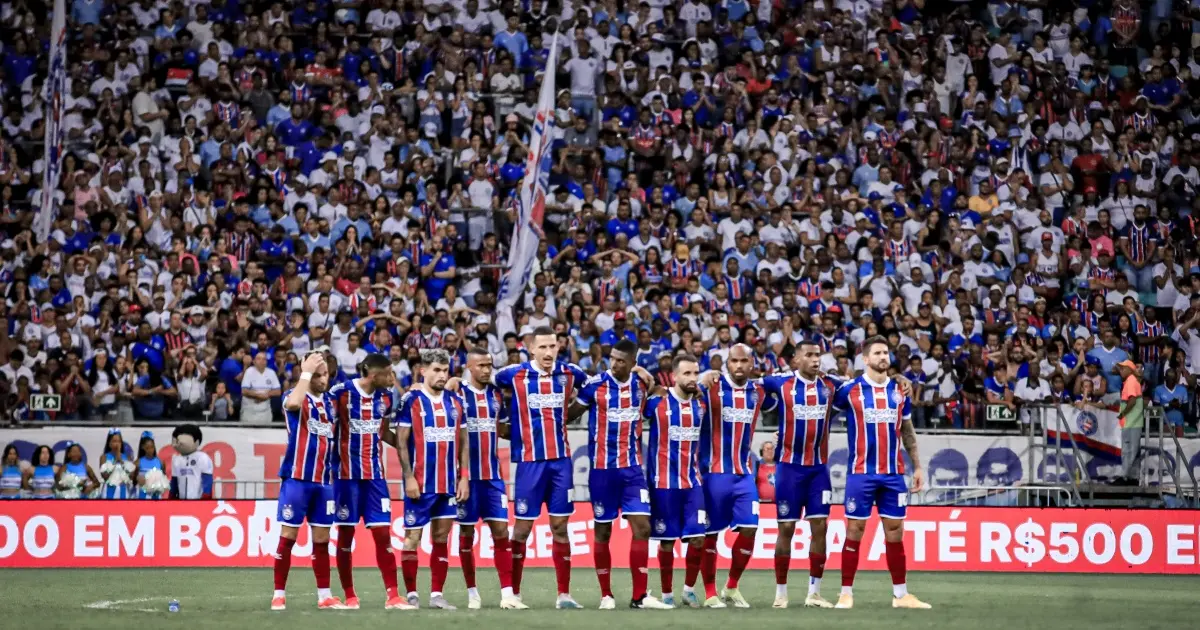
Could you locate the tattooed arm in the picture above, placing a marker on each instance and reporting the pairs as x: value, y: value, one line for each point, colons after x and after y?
x: 908, y: 437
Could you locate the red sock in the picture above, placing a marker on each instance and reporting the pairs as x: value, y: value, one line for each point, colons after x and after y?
x: 708, y: 567
x: 283, y: 562
x: 816, y: 565
x: 782, y: 563
x: 639, y: 558
x: 849, y: 562
x: 504, y: 562
x: 666, y: 569
x: 692, y: 562
x: 743, y: 547
x: 562, y: 566
x: 518, y: 564
x: 345, y: 560
x: 385, y: 559
x: 408, y: 566
x: 321, y: 564
x: 439, y: 564
x: 896, y: 561
x: 466, y: 556
x: 604, y: 569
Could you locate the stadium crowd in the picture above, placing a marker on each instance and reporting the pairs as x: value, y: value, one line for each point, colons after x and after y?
x: 1004, y: 189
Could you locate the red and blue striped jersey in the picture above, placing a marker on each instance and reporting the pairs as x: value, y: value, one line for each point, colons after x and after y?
x: 1149, y: 353
x: 482, y: 409
x: 733, y: 414
x: 1142, y: 241
x: 614, y: 420
x: 433, y: 443
x: 874, y: 413
x: 360, y: 451
x: 673, y: 458
x: 309, y: 455
x: 803, y: 434
x: 538, y: 409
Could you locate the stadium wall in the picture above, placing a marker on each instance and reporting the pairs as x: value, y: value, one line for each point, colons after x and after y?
x: 253, y: 455
x: 171, y: 534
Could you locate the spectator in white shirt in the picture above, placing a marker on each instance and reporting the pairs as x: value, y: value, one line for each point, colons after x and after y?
x: 260, y: 386
x: 1031, y: 389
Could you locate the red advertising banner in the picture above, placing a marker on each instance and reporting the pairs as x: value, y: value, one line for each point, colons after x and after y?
x: 244, y: 533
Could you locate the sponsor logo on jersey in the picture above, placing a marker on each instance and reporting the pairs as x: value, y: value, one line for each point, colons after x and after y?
x: 684, y: 434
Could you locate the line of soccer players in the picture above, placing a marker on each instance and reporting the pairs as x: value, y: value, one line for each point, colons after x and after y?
x: 697, y: 480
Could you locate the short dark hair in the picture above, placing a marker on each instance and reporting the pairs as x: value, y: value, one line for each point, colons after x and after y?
x: 866, y: 346
x: 544, y: 330
x: 626, y: 346
x: 479, y: 352
x: 682, y: 358
x: 374, y: 361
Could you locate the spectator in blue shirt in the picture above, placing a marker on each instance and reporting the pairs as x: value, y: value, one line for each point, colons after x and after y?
x: 512, y: 38
x: 1173, y: 396
x: 623, y: 223
x: 618, y: 331
x: 231, y: 371
x: 295, y: 130
x: 1109, y: 354
x: 149, y: 347
x: 86, y: 11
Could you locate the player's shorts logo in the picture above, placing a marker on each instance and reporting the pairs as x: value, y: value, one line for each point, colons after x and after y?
x: 850, y: 504
x: 462, y: 511
x: 660, y: 526
x: 410, y: 518
x: 1087, y: 423
x: 522, y: 506
x: 343, y: 512
x: 784, y: 508
x: 287, y: 512
x: 599, y: 509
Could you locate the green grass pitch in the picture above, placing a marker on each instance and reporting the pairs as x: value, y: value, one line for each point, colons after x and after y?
x: 239, y: 598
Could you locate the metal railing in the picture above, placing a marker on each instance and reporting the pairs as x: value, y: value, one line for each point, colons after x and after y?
x: 1154, y: 413
x: 1051, y: 416
x: 1004, y: 496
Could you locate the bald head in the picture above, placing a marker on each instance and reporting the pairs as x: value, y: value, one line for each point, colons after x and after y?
x: 739, y: 363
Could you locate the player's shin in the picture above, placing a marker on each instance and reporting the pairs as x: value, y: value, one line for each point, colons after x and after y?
x: 562, y: 566
x: 639, y: 558
x: 897, y: 565
x: 603, y: 567
x: 408, y: 567
x: 320, y: 565
x: 518, y: 564
x: 666, y: 568
x: 439, y: 565
x: 816, y: 556
x: 783, y: 558
x: 283, y: 563
x: 708, y: 565
x: 693, y: 560
x: 849, y: 565
x: 345, y: 563
x: 504, y: 565
x: 385, y: 559
x: 466, y: 555
x: 743, y: 547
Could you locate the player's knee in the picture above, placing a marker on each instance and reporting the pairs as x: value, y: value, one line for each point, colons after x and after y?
x: 291, y: 533
x: 467, y: 536
x: 667, y: 546
x: 818, y: 528
x: 320, y: 535
x: 640, y: 528
x: 786, y: 531
x: 855, y: 528
x: 603, y: 532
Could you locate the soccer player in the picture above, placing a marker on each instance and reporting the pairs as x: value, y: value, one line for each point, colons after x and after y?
x: 307, y: 472
x: 730, y: 492
x: 542, y: 391
x: 673, y: 472
x: 485, y: 417
x: 431, y: 438
x: 878, y: 419
x: 613, y: 402
x: 362, y: 406
x: 801, y: 477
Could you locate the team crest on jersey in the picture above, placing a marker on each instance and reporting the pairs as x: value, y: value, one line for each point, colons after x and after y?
x: 895, y: 397
x: 343, y: 512
x: 599, y: 509
x: 410, y: 518
x: 522, y: 506
x: 380, y: 409
x: 287, y: 512
x: 784, y: 508
x: 560, y: 381
x: 660, y: 526
x: 851, y: 504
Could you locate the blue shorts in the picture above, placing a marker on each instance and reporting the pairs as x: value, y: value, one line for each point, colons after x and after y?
x: 801, y: 489
x: 676, y: 514
x: 428, y: 507
x: 622, y: 489
x: 362, y: 499
x: 731, y: 501
x: 887, y: 492
x: 301, y: 500
x: 549, y: 482
x: 488, y: 501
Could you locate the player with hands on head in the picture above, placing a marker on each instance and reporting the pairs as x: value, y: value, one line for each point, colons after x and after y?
x: 431, y: 438
x: 306, y: 492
